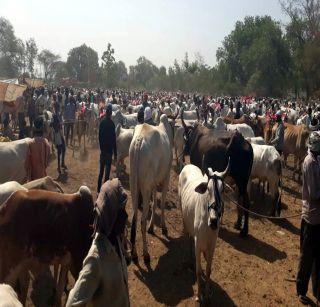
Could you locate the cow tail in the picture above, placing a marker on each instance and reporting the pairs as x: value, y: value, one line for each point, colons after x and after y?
x: 27, y: 163
x: 278, y: 165
x: 134, y: 186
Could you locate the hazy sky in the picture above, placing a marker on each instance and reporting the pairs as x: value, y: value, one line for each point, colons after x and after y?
x: 161, y: 30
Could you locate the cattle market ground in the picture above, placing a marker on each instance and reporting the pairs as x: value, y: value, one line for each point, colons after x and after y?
x: 255, y: 271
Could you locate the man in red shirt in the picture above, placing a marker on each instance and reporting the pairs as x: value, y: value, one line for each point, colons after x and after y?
x: 39, y: 152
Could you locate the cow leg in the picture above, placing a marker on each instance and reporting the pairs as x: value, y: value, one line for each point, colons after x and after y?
x: 163, y: 203
x: 133, y: 234
x: 198, y: 269
x: 246, y: 204
x: 238, y: 223
x: 154, y: 206
x: 23, y: 281
x: 55, y: 273
x: 145, y: 212
x: 208, y: 256
x: 61, y: 284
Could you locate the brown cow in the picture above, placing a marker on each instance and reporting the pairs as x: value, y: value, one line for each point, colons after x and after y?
x: 295, y: 138
x: 42, y: 227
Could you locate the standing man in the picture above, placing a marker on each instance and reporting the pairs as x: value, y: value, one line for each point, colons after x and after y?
x: 70, y: 118
x: 145, y: 102
x: 310, y: 223
x: 108, y: 145
x: 278, y: 140
x: 39, y: 151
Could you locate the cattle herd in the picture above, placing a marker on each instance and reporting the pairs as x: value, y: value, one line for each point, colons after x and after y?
x: 224, y: 137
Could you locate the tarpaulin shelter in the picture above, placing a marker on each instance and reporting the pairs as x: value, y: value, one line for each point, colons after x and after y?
x: 10, y: 91
x: 34, y: 82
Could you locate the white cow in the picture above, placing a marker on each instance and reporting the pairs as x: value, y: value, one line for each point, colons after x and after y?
x: 6, y: 189
x: 8, y: 297
x: 244, y: 129
x: 267, y: 168
x: 14, y: 161
x: 201, y: 213
x: 126, y: 120
x: 124, y: 138
x: 45, y: 183
x: 150, y: 162
x: 189, y: 115
x: 130, y: 120
x: 256, y: 140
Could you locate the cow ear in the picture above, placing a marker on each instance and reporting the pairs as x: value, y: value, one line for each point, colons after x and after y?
x: 201, y: 188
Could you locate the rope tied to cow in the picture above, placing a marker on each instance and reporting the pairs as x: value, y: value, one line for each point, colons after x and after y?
x: 298, y: 215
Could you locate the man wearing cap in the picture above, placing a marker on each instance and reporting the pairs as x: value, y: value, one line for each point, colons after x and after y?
x: 278, y: 140
x: 108, y: 145
x: 103, y: 280
x: 310, y: 223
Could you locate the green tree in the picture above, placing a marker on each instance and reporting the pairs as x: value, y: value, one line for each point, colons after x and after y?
x: 9, y: 50
x: 109, y: 67
x: 46, y: 58
x: 255, y: 58
x: 31, y: 54
x: 83, y: 64
x: 145, y: 70
x: 304, y: 40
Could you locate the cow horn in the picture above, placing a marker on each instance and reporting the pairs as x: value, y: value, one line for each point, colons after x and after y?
x: 220, y: 175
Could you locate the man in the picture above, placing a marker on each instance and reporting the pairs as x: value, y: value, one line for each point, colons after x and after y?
x: 145, y: 102
x: 140, y: 116
x: 148, y: 116
x: 39, y: 152
x: 7, y: 131
x: 238, y: 110
x: 278, y: 140
x: 70, y: 118
x: 310, y: 223
x: 108, y: 145
x: 58, y: 141
x: 31, y: 109
x: 103, y: 280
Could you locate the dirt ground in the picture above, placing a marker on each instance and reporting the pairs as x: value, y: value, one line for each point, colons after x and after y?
x: 258, y: 270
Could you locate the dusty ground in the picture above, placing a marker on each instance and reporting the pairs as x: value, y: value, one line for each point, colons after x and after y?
x: 255, y: 271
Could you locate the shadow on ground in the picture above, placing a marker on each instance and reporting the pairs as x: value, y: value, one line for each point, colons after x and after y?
x: 171, y: 282
x: 252, y: 246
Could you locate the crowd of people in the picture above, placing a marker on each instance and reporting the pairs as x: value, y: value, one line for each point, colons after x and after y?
x: 105, y: 263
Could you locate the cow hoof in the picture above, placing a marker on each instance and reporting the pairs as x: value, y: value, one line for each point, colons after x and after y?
x: 243, y: 233
x: 134, y: 257
x: 150, y: 230
x: 237, y: 226
x: 165, y: 231
x: 128, y: 260
x: 146, y: 259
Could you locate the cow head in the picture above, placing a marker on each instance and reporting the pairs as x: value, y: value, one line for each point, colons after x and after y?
x: 213, y: 188
x: 188, y: 131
